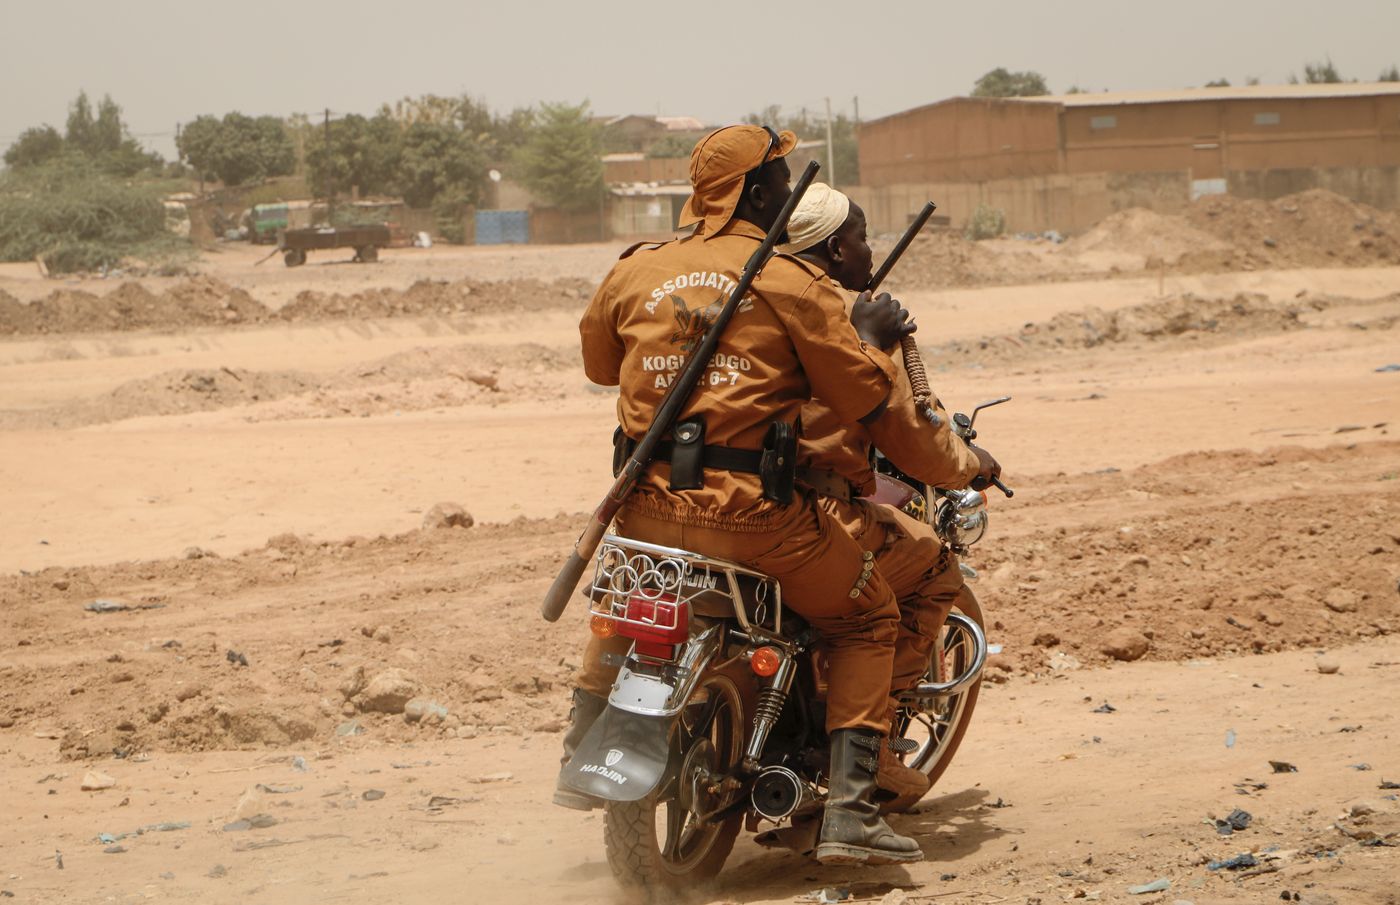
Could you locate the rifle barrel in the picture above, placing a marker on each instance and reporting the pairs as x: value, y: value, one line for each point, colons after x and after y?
x: 902, y: 245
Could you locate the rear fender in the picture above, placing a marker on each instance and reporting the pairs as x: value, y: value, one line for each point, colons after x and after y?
x: 624, y: 757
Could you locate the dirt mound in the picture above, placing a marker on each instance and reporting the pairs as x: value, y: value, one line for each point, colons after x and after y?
x: 204, y: 301
x: 429, y: 297
x: 170, y: 393
x: 1181, y: 319
x: 201, y: 301
x: 1316, y: 228
x: 413, y: 380
x: 947, y: 260
x: 1130, y: 239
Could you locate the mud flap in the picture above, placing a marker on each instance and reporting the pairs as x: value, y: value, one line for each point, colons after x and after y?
x: 624, y: 757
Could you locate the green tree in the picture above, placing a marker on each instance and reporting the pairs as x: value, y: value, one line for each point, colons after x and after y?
x: 198, y: 145
x: 560, y: 160
x: 237, y: 149
x: 103, y: 138
x: 363, y: 151
x: 1218, y: 83
x: 1002, y: 83
x: 1323, y: 73
x: 34, y: 146
x: 440, y: 163
x: 1389, y: 75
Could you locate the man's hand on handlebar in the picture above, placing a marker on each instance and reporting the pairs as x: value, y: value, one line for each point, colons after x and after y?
x: 989, y: 468
x: 880, y: 321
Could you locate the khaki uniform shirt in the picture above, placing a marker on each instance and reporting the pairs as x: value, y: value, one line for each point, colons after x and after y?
x: 931, y: 453
x: 789, y: 339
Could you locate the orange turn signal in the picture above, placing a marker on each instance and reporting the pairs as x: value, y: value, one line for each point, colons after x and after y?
x: 765, y: 661
x: 602, y: 626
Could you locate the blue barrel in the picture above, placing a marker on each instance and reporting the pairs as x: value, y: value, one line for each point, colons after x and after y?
x: 502, y: 227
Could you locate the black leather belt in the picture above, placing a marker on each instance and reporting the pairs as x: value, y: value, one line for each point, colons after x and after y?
x: 724, y: 458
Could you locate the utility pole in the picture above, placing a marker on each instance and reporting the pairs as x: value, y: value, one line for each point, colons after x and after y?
x: 856, y: 100
x: 830, y: 156
x: 330, y: 186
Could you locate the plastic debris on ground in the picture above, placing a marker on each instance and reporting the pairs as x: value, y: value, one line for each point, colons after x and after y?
x: 1388, y: 369
x: 1105, y: 707
x: 1283, y: 766
x: 1388, y: 784
x: 1229, y: 738
x: 1236, y: 821
x: 1159, y: 885
x: 1239, y: 862
x: 826, y: 895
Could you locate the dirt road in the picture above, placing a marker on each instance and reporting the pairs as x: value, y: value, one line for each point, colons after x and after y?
x: 1209, y: 463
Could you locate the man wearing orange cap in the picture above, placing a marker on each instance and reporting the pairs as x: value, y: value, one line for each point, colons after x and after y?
x: 793, y: 336
x: 834, y: 459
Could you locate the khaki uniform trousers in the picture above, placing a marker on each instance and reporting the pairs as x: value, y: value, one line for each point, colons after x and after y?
x: 922, y: 572
x: 824, y: 578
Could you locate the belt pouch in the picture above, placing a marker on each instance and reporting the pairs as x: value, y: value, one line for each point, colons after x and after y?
x: 688, y: 455
x: 778, y: 465
x: 622, y: 450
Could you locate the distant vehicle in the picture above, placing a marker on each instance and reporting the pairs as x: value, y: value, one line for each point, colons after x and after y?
x: 265, y: 221
x: 366, y: 240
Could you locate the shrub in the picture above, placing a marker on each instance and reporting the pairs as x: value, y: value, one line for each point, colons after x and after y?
x: 985, y: 223
x: 76, y: 217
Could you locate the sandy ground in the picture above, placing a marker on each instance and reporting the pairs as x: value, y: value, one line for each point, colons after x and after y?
x: 1209, y: 460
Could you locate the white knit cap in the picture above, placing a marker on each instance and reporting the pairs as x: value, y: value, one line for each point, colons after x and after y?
x: 820, y: 213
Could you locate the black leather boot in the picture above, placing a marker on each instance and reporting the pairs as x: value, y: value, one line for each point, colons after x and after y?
x: 852, y: 830
x: 586, y: 710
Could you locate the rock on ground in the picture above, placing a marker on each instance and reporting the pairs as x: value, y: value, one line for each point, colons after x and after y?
x: 1342, y: 600
x: 447, y: 515
x: 1125, y: 644
x: 389, y: 691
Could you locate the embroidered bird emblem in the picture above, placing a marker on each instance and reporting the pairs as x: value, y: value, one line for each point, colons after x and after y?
x: 691, y: 325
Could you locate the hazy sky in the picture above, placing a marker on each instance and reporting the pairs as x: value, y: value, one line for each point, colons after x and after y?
x: 167, y: 62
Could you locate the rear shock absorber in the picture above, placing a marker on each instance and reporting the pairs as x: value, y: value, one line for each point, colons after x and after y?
x: 767, y: 710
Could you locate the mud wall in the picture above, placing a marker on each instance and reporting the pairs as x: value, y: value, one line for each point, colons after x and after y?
x: 1071, y: 203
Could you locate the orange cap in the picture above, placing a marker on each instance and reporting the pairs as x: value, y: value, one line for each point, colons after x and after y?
x: 717, y: 169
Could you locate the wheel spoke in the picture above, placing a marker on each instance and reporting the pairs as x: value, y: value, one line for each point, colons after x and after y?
x: 675, y: 821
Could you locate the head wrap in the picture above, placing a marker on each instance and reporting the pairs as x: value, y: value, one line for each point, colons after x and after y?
x: 717, y: 169
x: 820, y: 213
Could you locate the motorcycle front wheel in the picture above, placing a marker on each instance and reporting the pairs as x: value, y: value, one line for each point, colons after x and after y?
x: 933, y: 735
x: 661, y: 842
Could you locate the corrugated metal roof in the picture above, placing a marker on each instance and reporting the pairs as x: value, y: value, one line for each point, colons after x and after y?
x: 1232, y: 93
x: 1120, y: 98
x: 681, y: 123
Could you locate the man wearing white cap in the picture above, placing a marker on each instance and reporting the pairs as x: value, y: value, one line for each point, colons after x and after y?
x: 834, y: 459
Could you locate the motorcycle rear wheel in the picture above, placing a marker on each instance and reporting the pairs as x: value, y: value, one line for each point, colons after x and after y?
x: 657, y: 843
x: 939, y: 732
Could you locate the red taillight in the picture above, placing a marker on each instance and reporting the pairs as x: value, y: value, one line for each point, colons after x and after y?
x: 659, y: 620
x: 765, y: 662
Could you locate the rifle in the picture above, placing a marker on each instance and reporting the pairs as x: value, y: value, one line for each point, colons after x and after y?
x: 913, y: 363
x: 666, y: 413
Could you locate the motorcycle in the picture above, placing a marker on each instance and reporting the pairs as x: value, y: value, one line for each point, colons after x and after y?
x: 716, y: 719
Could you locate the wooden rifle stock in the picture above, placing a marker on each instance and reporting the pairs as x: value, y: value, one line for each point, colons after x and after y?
x: 675, y: 400
x: 913, y: 362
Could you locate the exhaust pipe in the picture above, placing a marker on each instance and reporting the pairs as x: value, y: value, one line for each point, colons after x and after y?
x: 778, y: 793
x: 974, y: 669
